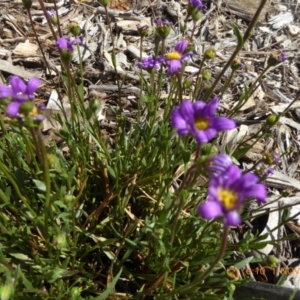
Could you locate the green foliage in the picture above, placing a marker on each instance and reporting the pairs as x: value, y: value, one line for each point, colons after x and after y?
x: 94, y: 217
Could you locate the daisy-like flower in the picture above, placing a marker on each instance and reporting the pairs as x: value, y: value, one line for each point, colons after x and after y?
x: 64, y: 44
x: 18, y: 90
x: 175, y: 59
x: 21, y: 96
x: 150, y: 63
x: 199, y: 119
x: 218, y: 164
x: 227, y: 193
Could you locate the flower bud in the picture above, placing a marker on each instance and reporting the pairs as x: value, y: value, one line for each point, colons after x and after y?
x: 27, y: 4
x: 104, y: 2
x: 163, y: 28
x: 6, y: 291
x: 196, y: 16
x: 143, y: 30
x: 272, y: 261
x: 60, y: 241
x: 272, y: 120
x: 75, y: 293
x: 210, y: 53
x: 187, y: 84
x: 52, y: 15
x: 74, y: 28
x: 237, y: 63
x: 68, y: 199
x: 276, y: 58
x: 206, y: 75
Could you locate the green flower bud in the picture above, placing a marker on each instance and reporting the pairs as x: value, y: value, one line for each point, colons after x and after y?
x: 66, y: 56
x: 206, y: 75
x: 60, y: 241
x: 163, y: 28
x: 75, y: 292
x: 272, y: 120
x: 94, y: 104
x: 210, y: 53
x: 74, y: 28
x: 6, y: 291
x: 196, y: 16
x: 231, y: 287
x: 27, y: 4
x: 68, y: 199
x: 143, y: 30
x: 187, y: 84
x: 272, y: 261
x: 104, y: 2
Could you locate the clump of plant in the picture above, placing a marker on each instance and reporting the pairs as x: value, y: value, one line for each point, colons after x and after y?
x: 146, y: 214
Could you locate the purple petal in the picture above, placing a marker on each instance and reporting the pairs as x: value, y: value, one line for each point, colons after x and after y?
x: 203, y: 136
x: 187, y: 56
x: 198, y: 108
x: 223, y: 123
x: 174, y: 66
x: 212, y: 106
x: 13, y: 109
x: 17, y: 85
x: 32, y: 86
x: 257, y: 191
x: 232, y: 218
x: 179, y: 123
x: 210, y: 210
x: 5, y: 91
x: 181, y: 46
x: 186, y: 109
x: 233, y: 173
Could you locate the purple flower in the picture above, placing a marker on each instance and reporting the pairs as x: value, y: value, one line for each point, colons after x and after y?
x: 175, y: 59
x: 264, y: 170
x: 218, y: 164
x: 197, y: 4
x: 51, y: 13
x: 162, y: 23
x: 283, y: 56
x: 18, y: 90
x: 226, y: 194
x: 64, y: 44
x: 21, y: 98
x: 150, y: 63
x: 199, y: 120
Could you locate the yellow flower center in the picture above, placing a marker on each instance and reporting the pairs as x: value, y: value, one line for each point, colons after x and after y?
x: 228, y: 198
x: 34, y: 112
x: 173, y: 56
x: 201, y: 123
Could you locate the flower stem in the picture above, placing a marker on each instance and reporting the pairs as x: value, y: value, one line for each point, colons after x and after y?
x: 197, y: 282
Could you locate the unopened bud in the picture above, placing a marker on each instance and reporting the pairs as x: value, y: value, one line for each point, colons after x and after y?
x: 272, y: 261
x: 6, y: 291
x: 104, y: 2
x: 272, y: 120
x: 210, y: 53
x: 74, y: 28
x: 206, y: 75
x: 27, y: 4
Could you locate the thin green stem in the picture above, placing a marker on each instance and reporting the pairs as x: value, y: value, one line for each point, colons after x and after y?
x: 197, y: 282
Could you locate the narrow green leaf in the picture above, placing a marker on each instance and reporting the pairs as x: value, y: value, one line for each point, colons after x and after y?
x: 110, y: 289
